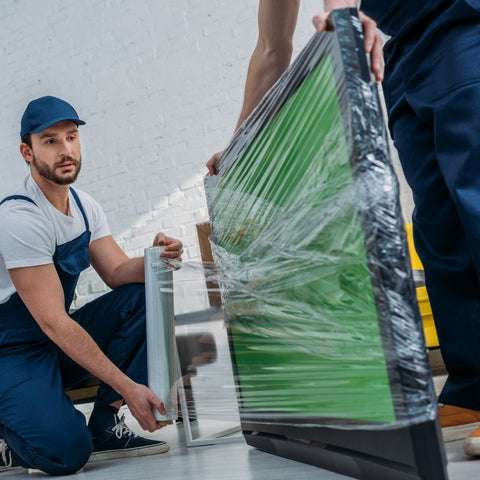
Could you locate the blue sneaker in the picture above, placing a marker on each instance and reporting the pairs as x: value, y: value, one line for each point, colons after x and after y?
x: 118, y: 441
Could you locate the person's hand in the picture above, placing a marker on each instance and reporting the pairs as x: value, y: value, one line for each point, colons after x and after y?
x: 211, y: 163
x: 372, y: 40
x: 173, y: 248
x: 142, y: 403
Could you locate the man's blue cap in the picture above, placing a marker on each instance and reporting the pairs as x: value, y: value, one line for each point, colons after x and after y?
x: 45, y: 112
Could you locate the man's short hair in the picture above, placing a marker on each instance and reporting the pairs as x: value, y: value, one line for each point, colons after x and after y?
x: 27, y: 138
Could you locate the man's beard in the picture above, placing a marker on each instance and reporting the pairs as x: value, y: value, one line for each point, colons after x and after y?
x: 49, y: 173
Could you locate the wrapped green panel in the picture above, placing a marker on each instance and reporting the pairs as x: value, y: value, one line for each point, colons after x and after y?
x: 309, y: 242
x: 295, y: 179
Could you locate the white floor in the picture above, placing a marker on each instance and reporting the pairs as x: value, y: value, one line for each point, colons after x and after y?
x: 232, y: 461
x: 227, y: 461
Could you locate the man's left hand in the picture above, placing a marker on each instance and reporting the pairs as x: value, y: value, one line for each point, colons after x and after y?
x: 173, y: 248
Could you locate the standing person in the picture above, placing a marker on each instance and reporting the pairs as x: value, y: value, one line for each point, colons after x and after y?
x: 49, y: 233
x: 432, y: 92
x: 273, y: 52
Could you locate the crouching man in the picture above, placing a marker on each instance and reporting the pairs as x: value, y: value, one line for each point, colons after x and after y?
x: 49, y: 233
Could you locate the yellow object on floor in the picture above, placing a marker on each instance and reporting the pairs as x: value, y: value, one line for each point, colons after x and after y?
x: 431, y: 338
x: 427, y: 318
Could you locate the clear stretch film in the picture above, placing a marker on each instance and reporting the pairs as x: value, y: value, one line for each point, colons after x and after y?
x: 161, y: 345
x: 310, y: 251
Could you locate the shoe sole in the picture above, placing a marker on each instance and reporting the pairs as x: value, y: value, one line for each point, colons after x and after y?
x: 129, y: 452
x: 35, y: 471
x: 458, y: 432
x: 112, y: 454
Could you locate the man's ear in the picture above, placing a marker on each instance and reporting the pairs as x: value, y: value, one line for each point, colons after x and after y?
x: 26, y: 152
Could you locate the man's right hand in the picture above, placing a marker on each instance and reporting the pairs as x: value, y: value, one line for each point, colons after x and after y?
x: 142, y: 403
x: 211, y: 163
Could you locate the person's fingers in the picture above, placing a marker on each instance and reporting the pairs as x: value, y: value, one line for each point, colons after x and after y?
x: 369, y: 31
x: 211, y: 168
x: 159, y: 405
x: 172, y: 244
x: 373, y: 45
x: 320, y: 21
x: 173, y: 248
x: 139, y: 416
x: 151, y: 423
x: 148, y: 418
x: 378, y: 65
x: 159, y: 240
x: 167, y: 252
x: 176, y: 254
x: 211, y: 163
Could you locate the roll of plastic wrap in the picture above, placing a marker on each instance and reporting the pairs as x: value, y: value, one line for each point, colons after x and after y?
x: 161, y: 346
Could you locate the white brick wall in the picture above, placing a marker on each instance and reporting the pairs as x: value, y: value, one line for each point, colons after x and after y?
x: 160, y: 84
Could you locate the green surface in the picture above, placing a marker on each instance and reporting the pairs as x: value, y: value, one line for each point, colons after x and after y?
x: 297, y: 288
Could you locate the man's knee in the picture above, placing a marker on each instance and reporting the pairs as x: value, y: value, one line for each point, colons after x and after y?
x: 72, y: 451
x: 65, y: 451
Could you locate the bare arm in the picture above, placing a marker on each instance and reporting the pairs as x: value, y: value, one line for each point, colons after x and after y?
x: 271, y: 56
x: 116, y: 268
x: 41, y: 291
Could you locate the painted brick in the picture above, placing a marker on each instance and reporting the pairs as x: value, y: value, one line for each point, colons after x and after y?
x: 160, y: 84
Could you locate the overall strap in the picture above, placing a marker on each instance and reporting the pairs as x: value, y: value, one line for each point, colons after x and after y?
x: 17, y: 197
x: 75, y: 196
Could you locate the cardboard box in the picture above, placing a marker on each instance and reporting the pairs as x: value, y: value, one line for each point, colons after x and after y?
x: 203, y: 232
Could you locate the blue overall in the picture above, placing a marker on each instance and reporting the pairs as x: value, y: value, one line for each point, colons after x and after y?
x: 37, y: 419
x: 432, y: 91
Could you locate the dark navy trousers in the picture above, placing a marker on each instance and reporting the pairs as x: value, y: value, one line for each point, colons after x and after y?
x: 433, y: 93
x: 37, y: 419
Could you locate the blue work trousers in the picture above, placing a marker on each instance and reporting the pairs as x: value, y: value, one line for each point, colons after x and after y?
x: 432, y: 91
x: 438, y: 140
x: 37, y: 419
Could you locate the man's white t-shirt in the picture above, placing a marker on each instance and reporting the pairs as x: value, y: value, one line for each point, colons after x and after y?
x: 30, y: 233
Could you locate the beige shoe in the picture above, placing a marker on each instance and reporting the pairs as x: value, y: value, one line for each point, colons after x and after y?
x: 471, y: 445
